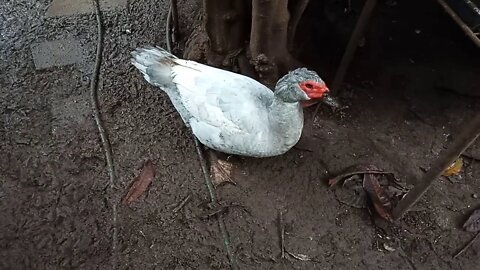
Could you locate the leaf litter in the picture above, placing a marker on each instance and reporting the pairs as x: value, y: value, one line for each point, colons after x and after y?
x: 140, y: 183
x: 367, y: 186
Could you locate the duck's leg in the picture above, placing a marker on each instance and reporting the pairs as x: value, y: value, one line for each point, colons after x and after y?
x: 220, y: 169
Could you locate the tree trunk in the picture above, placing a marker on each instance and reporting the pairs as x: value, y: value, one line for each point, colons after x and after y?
x: 222, y: 36
x: 237, y: 30
x: 269, y: 39
x: 225, y: 24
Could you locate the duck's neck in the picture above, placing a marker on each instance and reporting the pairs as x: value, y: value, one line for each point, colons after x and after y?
x: 286, y: 120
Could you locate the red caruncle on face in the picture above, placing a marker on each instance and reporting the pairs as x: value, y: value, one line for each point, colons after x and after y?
x: 314, y: 89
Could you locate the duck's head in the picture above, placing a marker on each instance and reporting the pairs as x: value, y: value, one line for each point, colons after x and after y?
x: 302, y: 84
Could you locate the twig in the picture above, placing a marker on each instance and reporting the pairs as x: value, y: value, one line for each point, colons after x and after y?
x: 182, y: 204
x: 281, y: 226
x: 365, y: 172
x: 172, y: 30
x: 168, y: 29
x: 466, y: 246
x: 283, y: 250
x: 176, y: 29
x: 101, y: 129
x: 206, y: 175
x: 213, y: 199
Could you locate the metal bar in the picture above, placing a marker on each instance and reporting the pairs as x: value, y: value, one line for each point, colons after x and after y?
x: 447, y: 157
x: 460, y: 23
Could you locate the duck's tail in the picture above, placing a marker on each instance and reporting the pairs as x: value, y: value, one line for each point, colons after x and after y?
x: 155, y: 64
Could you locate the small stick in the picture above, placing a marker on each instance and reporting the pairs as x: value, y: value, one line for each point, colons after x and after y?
x: 101, y: 128
x: 468, y: 135
x: 168, y: 29
x: 466, y: 246
x: 182, y: 204
x: 171, y: 30
x: 174, y: 7
x: 206, y: 174
x: 282, y: 234
x: 203, y: 164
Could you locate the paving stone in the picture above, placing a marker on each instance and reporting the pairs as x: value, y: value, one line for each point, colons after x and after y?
x: 76, y: 7
x: 70, y: 113
x: 57, y: 53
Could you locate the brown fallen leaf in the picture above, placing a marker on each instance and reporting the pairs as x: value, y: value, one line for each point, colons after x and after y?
x: 140, y: 183
x: 473, y: 222
x: 378, y: 197
x: 367, y: 183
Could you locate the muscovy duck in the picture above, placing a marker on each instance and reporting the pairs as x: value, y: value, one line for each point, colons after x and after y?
x: 229, y: 112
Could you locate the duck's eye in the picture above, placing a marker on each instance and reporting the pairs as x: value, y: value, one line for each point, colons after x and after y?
x: 309, y: 86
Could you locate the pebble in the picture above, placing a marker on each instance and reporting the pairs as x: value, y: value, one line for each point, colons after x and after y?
x: 474, y: 195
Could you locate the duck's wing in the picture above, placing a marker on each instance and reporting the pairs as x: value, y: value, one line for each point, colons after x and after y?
x: 221, y: 99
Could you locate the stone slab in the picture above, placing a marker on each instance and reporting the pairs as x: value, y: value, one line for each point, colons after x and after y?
x: 75, y: 7
x: 70, y: 112
x: 57, y: 53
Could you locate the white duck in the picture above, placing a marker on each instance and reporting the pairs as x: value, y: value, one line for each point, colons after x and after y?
x: 229, y: 112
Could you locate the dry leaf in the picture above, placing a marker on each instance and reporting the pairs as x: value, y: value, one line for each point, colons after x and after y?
x: 221, y: 172
x: 455, y: 168
x: 378, y: 197
x: 354, y: 170
x: 381, y: 188
x: 473, y: 222
x: 140, y: 183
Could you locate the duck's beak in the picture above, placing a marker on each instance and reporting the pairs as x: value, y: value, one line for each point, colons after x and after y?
x: 329, y: 100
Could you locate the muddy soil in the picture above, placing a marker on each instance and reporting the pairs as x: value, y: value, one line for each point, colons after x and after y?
x: 409, y: 90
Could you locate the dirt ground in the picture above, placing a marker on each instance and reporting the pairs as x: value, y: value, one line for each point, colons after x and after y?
x: 408, y: 91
